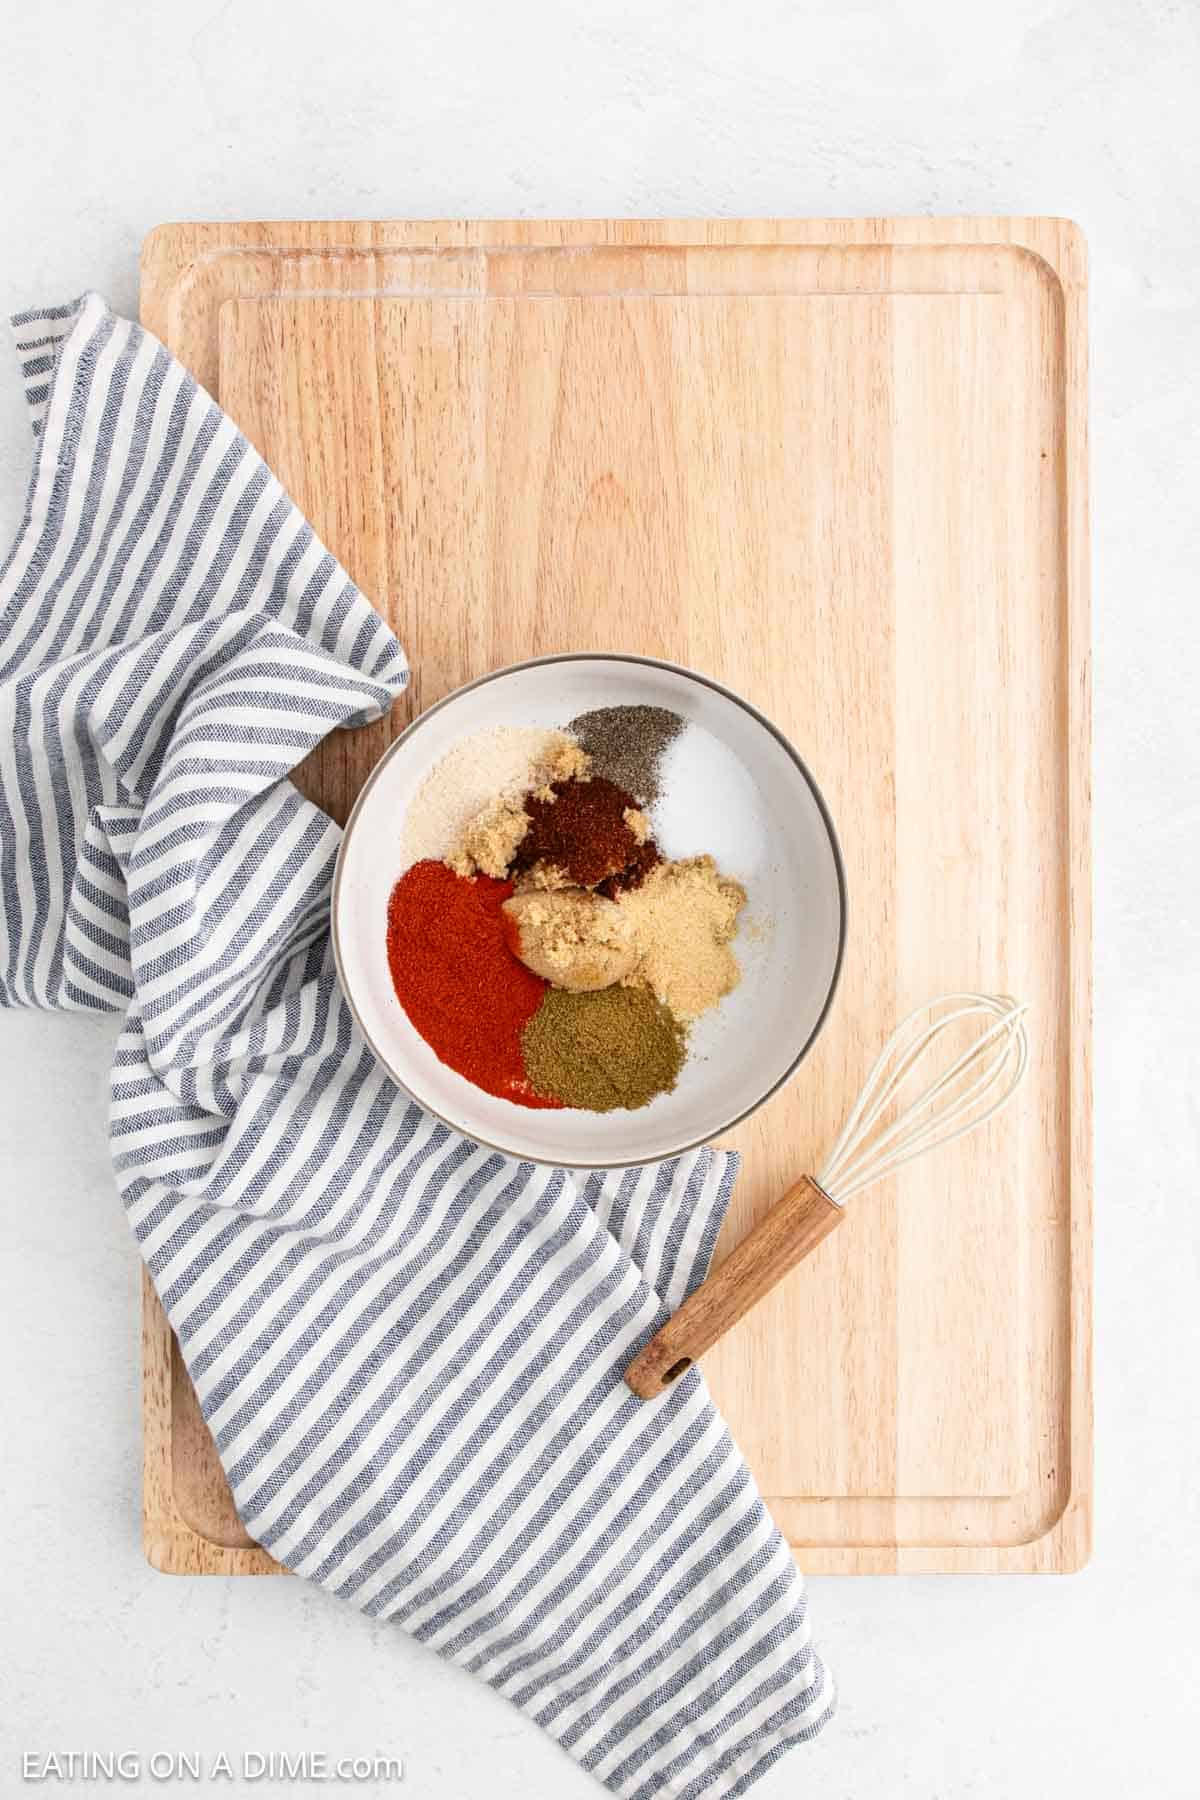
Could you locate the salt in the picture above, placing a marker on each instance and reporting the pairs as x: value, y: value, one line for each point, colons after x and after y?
x: 708, y: 804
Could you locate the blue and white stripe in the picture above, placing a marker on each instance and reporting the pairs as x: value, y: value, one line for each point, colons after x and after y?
x: 408, y: 1348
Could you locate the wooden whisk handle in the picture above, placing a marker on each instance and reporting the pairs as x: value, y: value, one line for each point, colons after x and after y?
x: 792, y: 1228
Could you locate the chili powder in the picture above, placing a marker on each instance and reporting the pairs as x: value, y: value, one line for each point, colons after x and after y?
x: 583, y: 832
x: 457, y: 979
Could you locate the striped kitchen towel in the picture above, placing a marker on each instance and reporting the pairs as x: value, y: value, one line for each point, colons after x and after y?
x: 408, y: 1348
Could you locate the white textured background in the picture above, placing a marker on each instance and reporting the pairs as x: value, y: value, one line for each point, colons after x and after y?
x: 117, y: 116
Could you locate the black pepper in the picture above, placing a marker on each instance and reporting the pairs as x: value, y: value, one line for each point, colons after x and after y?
x: 626, y: 744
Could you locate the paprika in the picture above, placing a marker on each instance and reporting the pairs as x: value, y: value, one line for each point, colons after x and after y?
x: 458, y: 980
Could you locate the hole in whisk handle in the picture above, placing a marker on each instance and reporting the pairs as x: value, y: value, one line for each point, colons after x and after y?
x: 792, y: 1229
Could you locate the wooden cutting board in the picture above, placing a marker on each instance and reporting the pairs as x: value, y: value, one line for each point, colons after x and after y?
x: 840, y: 464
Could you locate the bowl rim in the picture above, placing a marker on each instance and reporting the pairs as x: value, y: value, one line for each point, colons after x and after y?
x: 607, y: 656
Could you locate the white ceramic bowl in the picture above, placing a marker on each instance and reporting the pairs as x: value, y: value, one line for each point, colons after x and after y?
x: 733, y: 786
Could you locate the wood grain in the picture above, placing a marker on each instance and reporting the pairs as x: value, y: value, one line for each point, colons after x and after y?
x: 840, y: 464
x: 781, y: 1240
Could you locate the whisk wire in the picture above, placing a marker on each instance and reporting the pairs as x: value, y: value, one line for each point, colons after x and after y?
x: 870, y: 1102
x: 863, y: 1154
x: 856, y: 1125
x: 863, y: 1174
x: 993, y: 1069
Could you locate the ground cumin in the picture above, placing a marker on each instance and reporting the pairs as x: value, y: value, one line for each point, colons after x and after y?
x: 619, y: 1047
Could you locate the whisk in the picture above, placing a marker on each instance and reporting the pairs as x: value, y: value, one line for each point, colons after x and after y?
x: 886, y: 1129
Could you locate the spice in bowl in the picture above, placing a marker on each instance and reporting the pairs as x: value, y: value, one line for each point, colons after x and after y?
x: 626, y: 744
x: 542, y: 945
x: 576, y: 940
x: 617, y: 1048
x: 459, y: 982
x: 590, y: 831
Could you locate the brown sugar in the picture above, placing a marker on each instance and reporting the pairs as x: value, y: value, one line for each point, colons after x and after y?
x: 488, y: 842
x: 571, y: 938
